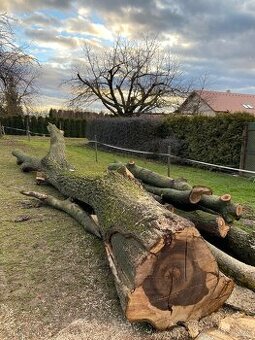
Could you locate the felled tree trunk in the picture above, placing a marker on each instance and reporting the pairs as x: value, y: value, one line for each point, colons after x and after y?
x: 164, y: 271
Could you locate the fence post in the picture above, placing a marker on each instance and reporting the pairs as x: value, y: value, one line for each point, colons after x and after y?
x: 27, y: 128
x: 96, y: 148
x: 168, y: 160
x: 243, y: 153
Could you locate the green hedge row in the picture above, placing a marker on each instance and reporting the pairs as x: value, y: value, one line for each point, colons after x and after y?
x: 139, y: 133
x: 38, y: 125
x: 215, y: 140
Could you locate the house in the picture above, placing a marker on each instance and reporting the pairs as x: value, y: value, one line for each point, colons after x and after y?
x: 210, y: 103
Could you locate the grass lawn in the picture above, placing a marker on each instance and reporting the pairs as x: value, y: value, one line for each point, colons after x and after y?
x: 241, y: 189
x: 52, y: 272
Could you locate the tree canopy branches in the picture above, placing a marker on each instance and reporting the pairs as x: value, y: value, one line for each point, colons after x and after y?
x: 18, y: 72
x: 132, y: 77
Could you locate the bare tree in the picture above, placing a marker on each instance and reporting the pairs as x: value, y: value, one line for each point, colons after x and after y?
x: 130, y: 78
x: 18, y: 72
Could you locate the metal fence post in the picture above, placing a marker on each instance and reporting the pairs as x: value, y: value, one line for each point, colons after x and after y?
x: 168, y: 160
x: 96, y: 148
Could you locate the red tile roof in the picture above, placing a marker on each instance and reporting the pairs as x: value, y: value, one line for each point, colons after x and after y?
x: 228, y: 101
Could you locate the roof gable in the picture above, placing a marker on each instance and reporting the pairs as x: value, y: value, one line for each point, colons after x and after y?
x: 228, y: 101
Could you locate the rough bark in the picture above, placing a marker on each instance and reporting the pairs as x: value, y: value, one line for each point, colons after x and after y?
x: 179, y: 198
x: 164, y: 271
x: 212, y: 224
x: 152, y: 178
x: 168, y: 189
x: 72, y: 209
x: 238, y: 243
x: 242, y: 273
x: 26, y: 162
x: 221, y: 205
x: 241, y: 244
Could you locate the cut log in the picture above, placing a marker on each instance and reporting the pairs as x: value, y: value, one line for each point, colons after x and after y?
x: 178, y: 198
x: 70, y: 208
x: 242, y: 273
x: 152, y: 178
x: 199, y: 199
x: 164, y: 271
x: 212, y: 224
x: 26, y: 162
x: 221, y: 205
x: 241, y: 244
x: 238, y: 243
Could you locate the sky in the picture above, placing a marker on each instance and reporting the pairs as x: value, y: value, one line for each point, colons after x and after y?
x: 211, y: 38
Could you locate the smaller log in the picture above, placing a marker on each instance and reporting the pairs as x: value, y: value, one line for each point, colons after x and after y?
x: 27, y: 163
x: 152, y: 178
x: 241, y: 244
x: 178, y: 198
x: 242, y: 273
x: 212, y: 224
x: 221, y: 205
x: 72, y: 209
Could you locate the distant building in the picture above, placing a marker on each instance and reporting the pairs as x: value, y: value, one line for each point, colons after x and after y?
x: 210, y: 103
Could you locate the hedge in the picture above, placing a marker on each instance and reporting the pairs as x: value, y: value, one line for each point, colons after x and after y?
x: 38, y: 125
x: 215, y: 140
x: 140, y: 133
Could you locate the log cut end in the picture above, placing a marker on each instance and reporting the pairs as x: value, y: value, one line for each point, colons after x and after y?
x: 223, y: 228
x: 239, y: 210
x: 197, y: 192
x: 225, y: 198
x: 178, y: 281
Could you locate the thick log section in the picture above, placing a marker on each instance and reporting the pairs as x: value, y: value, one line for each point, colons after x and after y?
x: 164, y: 271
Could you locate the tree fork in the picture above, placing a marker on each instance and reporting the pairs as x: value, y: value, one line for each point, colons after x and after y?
x: 163, y: 269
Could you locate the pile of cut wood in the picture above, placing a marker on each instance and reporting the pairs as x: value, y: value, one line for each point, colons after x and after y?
x: 213, y: 216
x: 164, y: 270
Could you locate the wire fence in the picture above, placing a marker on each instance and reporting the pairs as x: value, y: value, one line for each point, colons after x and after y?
x: 27, y: 132
x: 169, y: 156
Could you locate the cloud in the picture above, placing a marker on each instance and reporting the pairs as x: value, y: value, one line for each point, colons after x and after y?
x: 213, y: 36
x: 15, y: 6
x: 52, y: 38
x: 40, y: 19
x: 84, y: 26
